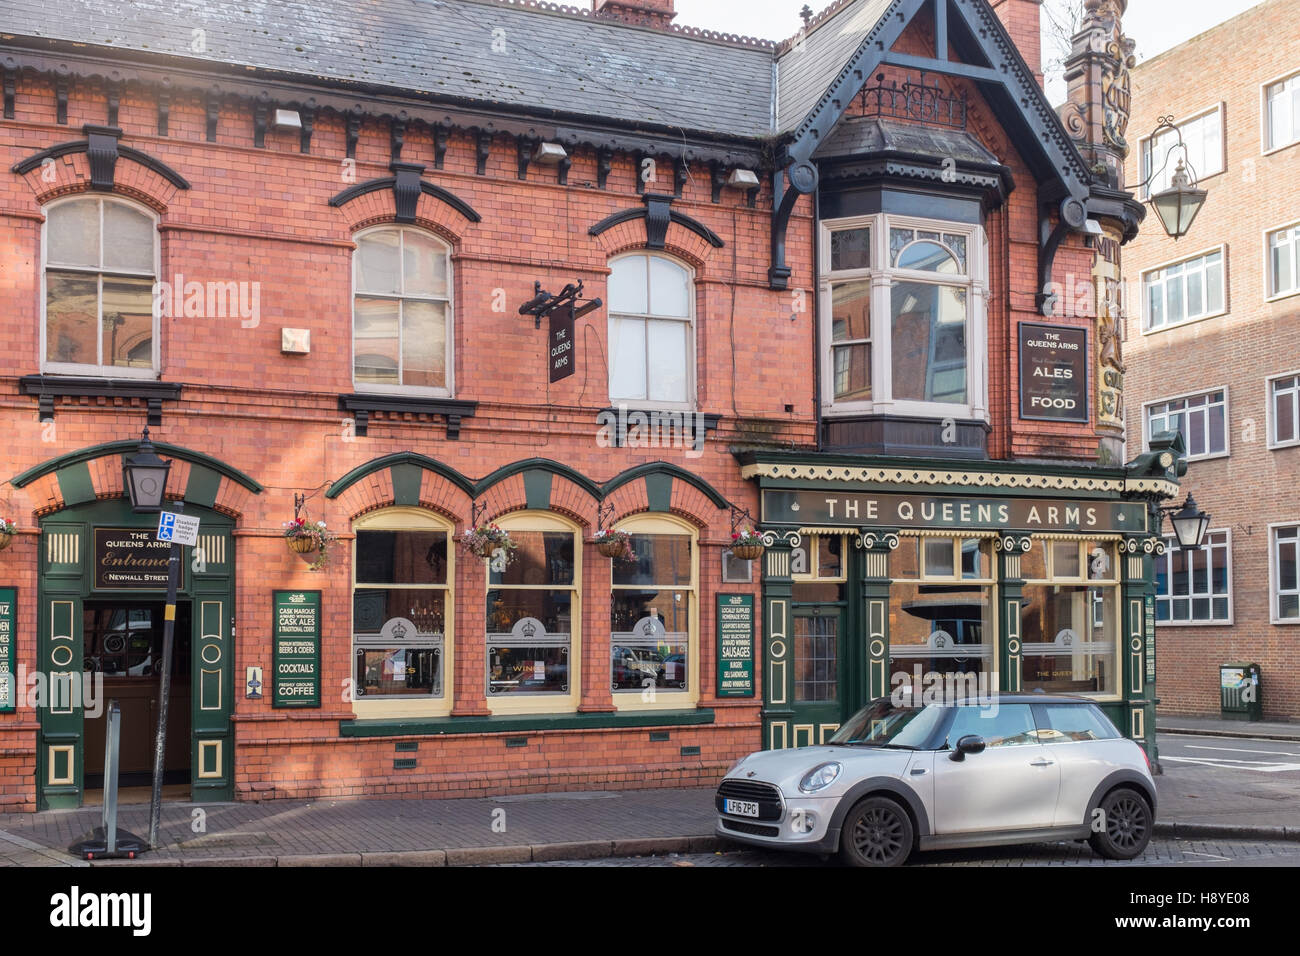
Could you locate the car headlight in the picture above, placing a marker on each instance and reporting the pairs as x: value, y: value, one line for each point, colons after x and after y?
x: 819, y: 777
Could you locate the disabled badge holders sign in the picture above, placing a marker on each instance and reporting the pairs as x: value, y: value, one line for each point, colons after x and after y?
x: 295, y: 649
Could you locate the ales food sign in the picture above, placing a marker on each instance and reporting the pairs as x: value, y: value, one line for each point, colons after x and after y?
x: 295, y: 651
x: 1053, y: 373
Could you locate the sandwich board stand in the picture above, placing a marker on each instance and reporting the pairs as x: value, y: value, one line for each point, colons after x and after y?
x: 107, y: 841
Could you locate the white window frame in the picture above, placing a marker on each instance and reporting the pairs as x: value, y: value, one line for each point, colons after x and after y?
x: 1227, y: 421
x: 1271, y: 419
x: 692, y: 388
x: 882, y: 277
x: 1267, y: 148
x: 1147, y: 329
x: 1272, y: 294
x: 370, y: 388
x: 76, y: 368
x: 1274, y: 588
x: 1171, y: 544
x: 1145, y: 170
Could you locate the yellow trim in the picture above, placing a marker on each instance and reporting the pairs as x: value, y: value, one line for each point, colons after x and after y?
x: 214, y: 745
x: 406, y: 518
x: 71, y: 778
x: 550, y: 703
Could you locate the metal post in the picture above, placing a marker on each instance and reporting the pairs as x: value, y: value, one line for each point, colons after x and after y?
x: 164, y: 686
x: 111, y: 750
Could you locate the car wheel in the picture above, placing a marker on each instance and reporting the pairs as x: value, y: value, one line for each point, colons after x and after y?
x: 1127, y: 819
x: 877, y: 832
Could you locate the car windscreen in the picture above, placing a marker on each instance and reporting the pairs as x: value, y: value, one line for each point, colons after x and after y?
x: 884, y: 723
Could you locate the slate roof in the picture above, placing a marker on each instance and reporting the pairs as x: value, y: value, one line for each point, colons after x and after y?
x: 858, y: 135
x: 556, y: 58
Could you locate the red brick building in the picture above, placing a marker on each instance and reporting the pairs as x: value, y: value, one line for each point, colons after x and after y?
x: 1227, y: 290
x: 296, y: 244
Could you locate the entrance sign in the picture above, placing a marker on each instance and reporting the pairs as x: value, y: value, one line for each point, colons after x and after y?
x: 295, y: 649
x: 735, y: 645
x: 131, y: 559
x: 561, y: 343
x: 178, y: 528
x: 8, y: 685
x: 864, y: 510
x: 1053, y: 373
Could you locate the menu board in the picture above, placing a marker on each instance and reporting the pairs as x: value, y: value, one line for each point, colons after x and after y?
x: 8, y: 682
x: 295, y: 652
x: 735, y: 645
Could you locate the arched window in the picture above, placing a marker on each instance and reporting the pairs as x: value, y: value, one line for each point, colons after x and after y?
x: 100, y: 262
x: 651, y: 331
x: 654, y: 616
x: 402, y: 312
x: 403, y: 613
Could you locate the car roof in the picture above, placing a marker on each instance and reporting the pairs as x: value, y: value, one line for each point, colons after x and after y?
x: 1017, y: 697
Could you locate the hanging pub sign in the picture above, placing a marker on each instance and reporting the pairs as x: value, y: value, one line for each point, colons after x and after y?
x: 1053, y: 373
x: 8, y: 685
x: 561, y: 343
x: 295, y: 649
x: 735, y: 645
x: 132, y: 559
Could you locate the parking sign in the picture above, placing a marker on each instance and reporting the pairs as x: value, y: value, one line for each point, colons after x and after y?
x: 178, y: 529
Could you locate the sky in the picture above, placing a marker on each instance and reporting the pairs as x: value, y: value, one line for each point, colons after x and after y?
x: 1152, y: 24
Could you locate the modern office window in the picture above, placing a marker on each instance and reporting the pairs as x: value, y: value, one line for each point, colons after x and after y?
x: 1202, y: 419
x: 1284, y: 261
x: 402, y: 312
x: 1285, y: 573
x: 1282, y: 112
x: 402, y: 608
x: 651, y: 331
x: 1184, y: 291
x: 1284, y: 410
x: 101, y: 258
x: 903, y: 323
x: 1195, y: 587
x: 1203, y: 137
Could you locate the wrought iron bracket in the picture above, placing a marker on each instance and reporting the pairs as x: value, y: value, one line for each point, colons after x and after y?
x: 603, y: 513
x: 475, y: 512
x: 737, y: 514
x: 543, y: 303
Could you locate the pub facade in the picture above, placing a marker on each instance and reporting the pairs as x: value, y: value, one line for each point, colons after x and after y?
x: 527, y: 339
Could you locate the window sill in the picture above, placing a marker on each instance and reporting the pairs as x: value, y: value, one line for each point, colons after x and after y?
x: 1216, y: 623
x: 52, y: 385
x: 363, y: 405
x: 1170, y: 326
x: 522, y: 723
x: 1281, y: 445
x: 1279, y: 148
x: 1280, y: 296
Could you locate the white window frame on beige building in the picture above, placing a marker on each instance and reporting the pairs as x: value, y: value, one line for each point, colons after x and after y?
x: 1200, y: 174
x: 1227, y: 421
x: 1271, y: 419
x: 1274, y: 586
x: 668, y: 699
x: 1221, y: 247
x: 1270, y: 294
x: 404, y: 518
x: 1171, y: 545
x: 1265, y: 127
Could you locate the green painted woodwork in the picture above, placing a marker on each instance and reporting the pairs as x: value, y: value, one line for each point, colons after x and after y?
x: 75, y: 484
x: 664, y: 468
x: 537, y: 489
x: 659, y: 491
x: 406, y: 477
x: 423, y: 462
x: 129, y: 447
x: 202, y: 487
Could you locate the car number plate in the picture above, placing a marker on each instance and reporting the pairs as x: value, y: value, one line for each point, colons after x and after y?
x: 742, y: 808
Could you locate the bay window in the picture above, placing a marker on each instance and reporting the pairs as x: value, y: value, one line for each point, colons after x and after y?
x: 904, y: 317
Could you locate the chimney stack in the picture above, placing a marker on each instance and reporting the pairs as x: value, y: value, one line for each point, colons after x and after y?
x: 1022, y: 19
x: 646, y: 13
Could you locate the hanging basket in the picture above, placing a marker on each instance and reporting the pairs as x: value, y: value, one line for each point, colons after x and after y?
x: 6, y: 540
x: 612, y: 549
x: 302, y: 545
x: 748, y: 552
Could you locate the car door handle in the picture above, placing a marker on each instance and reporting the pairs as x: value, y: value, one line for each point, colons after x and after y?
x: 918, y: 772
x: 1041, y: 763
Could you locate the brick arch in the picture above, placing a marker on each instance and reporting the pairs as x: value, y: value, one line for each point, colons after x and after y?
x: 681, y: 242
x: 664, y: 488
x: 539, y: 484
x: 379, y: 208
x: 131, y: 181
x: 405, y: 479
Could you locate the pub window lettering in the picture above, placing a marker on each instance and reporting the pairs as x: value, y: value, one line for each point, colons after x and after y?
x: 1202, y: 419
x: 1195, y: 587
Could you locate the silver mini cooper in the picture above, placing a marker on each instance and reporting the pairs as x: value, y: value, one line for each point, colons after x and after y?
x: 1023, y: 768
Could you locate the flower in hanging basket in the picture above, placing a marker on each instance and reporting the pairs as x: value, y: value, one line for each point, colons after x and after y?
x: 7, y: 531
x: 747, y: 544
x: 309, y: 537
x: 486, y: 540
x: 615, y: 544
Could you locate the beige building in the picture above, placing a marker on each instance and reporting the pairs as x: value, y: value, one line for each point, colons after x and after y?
x: 1212, y: 348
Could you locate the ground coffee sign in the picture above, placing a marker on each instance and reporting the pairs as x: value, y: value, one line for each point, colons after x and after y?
x: 931, y: 511
x: 130, y: 559
x: 735, y: 645
x: 8, y: 683
x: 295, y: 653
x: 1053, y: 373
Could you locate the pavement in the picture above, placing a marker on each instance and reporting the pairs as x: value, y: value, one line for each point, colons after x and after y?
x: 1223, y: 789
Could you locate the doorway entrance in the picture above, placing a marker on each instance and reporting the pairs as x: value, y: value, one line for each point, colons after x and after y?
x: 123, y: 643
x: 817, y: 653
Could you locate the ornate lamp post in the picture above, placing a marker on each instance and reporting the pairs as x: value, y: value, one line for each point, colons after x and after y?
x: 1178, y: 205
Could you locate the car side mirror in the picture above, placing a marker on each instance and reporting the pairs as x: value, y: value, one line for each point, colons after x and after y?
x: 970, y: 744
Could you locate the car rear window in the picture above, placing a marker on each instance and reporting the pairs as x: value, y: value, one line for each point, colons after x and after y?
x: 1067, y: 723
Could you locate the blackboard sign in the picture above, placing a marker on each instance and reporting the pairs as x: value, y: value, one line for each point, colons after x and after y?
x: 1053, y: 373
x: 735, y: 645
x: 8, y: 680
x: 562, y: 345
x: 132, y: 559
x: 295, y: 652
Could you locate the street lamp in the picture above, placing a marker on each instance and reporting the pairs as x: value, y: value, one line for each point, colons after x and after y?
x: 1178, y: 205
x: 1190, y: 524
x: 144, y: 476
